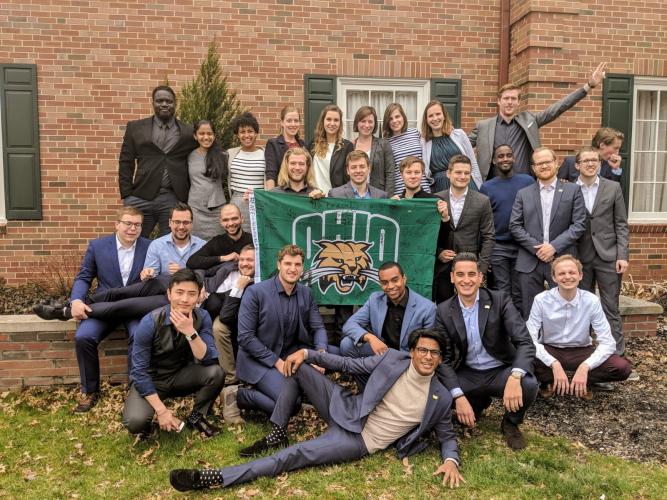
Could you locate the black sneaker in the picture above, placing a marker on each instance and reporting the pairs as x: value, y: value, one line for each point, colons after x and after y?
x: 262, y: 446
x: 513, y: 435
x: 194, y: 479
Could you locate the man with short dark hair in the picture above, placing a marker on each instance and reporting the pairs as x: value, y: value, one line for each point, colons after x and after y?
x: 358, y: 169
x: 174, y: 355
x: 357, y: 425
x: 496, y: 351
x: 153, y: 162
x: 520, y: 130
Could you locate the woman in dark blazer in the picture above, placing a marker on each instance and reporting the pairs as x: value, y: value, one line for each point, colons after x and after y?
x: 378, y: 150
x: 329, y: 149
x: 290, y: 123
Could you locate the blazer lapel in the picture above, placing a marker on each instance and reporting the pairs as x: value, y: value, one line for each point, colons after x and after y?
x: 380, y: 315
x: 433, y: 399
x: 136, y: 264
x: 371, y: 398
x: 538, y: 206
x: 483, y: 312
x: 407, y: 317
x: 601, y: 192
x: 375, y: 145
x: 113, y: 258
x: 457, y: 318
x: 558, y: 194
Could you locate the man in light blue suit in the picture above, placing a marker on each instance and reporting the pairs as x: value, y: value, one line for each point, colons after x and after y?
x: 387, y: 318
x: 357, y: 425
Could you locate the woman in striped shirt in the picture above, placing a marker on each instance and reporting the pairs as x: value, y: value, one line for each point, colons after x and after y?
x: 246, y: 164
x: 404, y: 142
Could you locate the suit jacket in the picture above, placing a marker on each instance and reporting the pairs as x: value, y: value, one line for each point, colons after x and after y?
x: 568, y: 171
x: 474, y: 233
x: 502, y: 330
x: 567, y: 223
x: 382, y: 165
x: 276, y: 148
x: 483, y: 135
x: 261, y: 334
x: 350, y: 411
x: 606, y: 227
x: 345, y: 191
x: 101, y: 262
x: 419, y: 313
x: 141, y: 162
x: 229, y: 312
x: 337, y: 172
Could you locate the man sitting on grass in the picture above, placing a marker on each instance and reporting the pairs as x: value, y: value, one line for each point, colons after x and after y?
x: 560, y: 323
x: 358, y: 425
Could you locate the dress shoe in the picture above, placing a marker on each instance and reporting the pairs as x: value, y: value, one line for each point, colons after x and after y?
x: 513, y: 436
x: 546, y: 391
x: 633, y: 377
x: 230, y: 410
x: 262, y: 446
x: 200, y: 424
x: 604, y: 386
x: 87, y: 402
x: 50, y: 312
x: 194, y: 479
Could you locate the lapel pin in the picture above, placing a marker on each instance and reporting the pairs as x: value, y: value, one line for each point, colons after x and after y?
x: 560, y: 190
x: 487, y: 306
x: 435, y: 396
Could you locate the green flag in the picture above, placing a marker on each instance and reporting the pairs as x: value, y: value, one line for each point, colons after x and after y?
x: 345, y: 241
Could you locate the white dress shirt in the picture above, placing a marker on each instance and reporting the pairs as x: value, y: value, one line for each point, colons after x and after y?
x: 589, y: 192
x: 230, y: 284
x: 125, y: 259
x: 456, y: 205
x: 556, y: 322
x: 547, y: 198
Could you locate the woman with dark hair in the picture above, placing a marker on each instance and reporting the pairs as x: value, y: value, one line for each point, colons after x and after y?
x: 440, y: 142
x: 290, y: 123
x: 404, y: 142
x: 329, y: 149
x: 378, y: 150
x: 207, y: 168
x: 246, y: 164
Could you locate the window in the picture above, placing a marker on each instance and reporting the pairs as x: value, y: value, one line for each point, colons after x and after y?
x: 352, y: 93
x: 648, y: 188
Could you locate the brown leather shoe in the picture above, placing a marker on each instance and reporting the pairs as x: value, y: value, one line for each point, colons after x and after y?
x: 513, y: 436
x: 87, y: 402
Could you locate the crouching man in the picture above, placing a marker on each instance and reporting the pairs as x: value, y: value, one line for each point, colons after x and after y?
x: 358, y: 425
x: 560, y: 323
x: 174, y: 355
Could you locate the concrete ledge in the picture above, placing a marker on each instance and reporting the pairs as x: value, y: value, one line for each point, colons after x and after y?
x: 629, y: 305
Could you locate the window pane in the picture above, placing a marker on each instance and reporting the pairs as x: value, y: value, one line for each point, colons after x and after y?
x: 661, y: 197
x: 662, y: 136
x: 409, y: 102
x: 380, y: 99
x: 643, y: 167
x: 663, y: 105
x: 661, y: 168
x: 647, y: 103
x: 642, y: 197
x: 645, y: 136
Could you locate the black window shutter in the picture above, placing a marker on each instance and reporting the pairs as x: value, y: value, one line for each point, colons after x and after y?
x: 617, y: 113
x: 448, y: 92
x: 318, y: 91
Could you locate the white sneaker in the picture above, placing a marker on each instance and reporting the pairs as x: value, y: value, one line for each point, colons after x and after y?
x: 634, y: 376
x: 230, y: 410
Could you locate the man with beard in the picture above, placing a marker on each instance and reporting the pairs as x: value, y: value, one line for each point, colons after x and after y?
x: 153, y: 162
x: 547, y: 219
x: 502, y: 190
x: 224, y: 247
x: 296, y: 175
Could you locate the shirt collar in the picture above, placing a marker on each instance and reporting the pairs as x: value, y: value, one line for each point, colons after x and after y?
x: 596, y: 183
x: 471, y: 307
x: 551, y: 185
x: 501, y: 120
x: 162, y: 124
x: 170, y: 240
x: 281, y: 289
x: 119, y: 245
x: 457, y: 198
x: 356, y: 193
x: 562, y: 302
x: 404, y: 301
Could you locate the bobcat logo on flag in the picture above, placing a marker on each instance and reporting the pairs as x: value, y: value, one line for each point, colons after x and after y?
x: 343, y: 264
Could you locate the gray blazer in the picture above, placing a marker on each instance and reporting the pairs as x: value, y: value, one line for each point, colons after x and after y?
x: 345, y: 191
x: 483, y: 135
x: 607, y: 227
x: 567, y: 223
x: 382, y: 165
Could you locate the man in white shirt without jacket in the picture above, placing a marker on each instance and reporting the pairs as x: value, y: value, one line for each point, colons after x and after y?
x: 559, y: 323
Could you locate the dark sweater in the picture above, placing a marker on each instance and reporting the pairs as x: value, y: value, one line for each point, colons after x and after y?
x: 502, y: 193
x: 209, y: 255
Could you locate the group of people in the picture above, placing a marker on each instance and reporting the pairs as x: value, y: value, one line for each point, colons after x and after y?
x: 541, y: 236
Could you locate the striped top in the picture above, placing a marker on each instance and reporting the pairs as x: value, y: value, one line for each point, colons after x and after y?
x: 403, y: 145
x: 247, y: 171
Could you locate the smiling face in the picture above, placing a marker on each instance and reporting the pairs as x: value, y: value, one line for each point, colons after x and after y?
x: 297, y: 168
x: 366, y: 125
x: 396, y: 121
x: 393, y: 283
x: 247, y: 262
x: 435, y: 118
x: 183, y: 296
x: 466, y: 278
x: 164, y: 105
x: 358, y: 171
x: 128, y: 229
x: 588, y: 165
x: 247, y: 137
x: 503, y: 159
x: 412, y: 176
x: 290, y: 125
x: 204, y: 135
x: 332, y: 123
x: 423, y: 359
x: 180, y: 224
x: 231, y: 220
x: 459, y: 175
x: 508, y: 103
x: 290, y: 269
x: 545, y: 166
x: 567, y: 275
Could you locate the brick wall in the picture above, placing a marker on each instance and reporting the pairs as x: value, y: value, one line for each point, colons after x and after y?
x: 97, y: 62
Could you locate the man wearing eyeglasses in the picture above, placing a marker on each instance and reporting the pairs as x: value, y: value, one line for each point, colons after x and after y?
x: 114, y: 261
x: 547, y: 220
x: 171, y: 252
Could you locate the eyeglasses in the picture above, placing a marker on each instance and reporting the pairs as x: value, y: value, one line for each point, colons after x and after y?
x: 543, y: 163
x: 588, y: 162
x: 128, y: 224
x: 180, y: 222
x: 423, y: 351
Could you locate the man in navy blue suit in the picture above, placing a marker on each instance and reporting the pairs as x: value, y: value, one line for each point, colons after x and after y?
x: 114, y: 261
x: 276, y: 317
x: 358, y: 425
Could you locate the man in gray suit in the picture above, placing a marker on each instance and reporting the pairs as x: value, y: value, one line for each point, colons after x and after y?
x: 358, y: 168
x: 520, y: 130
x: 467, y: 226
x: 358, y: 425
x: 603, y: 248
x: 547, y: 220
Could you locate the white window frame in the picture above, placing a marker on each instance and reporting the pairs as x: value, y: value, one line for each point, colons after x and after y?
x: 650, y: 84
x: 343, y: 84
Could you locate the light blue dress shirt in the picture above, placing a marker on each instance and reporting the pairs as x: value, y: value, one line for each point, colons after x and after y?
x: 162, y: 251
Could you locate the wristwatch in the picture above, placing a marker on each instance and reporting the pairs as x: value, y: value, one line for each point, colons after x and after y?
x: 517, y: 374
x: 192, y: 337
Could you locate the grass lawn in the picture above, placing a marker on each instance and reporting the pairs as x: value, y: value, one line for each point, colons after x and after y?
x: 47, y: 452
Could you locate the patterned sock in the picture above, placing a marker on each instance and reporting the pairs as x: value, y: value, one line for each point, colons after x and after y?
x: 193, y: 418
x: 277, y: 435
x: 210, y: 477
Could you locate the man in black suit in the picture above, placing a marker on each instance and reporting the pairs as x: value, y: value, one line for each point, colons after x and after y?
x: 468, y: 226
x: 153, y: 162
x: 547, y: 220
x: 496, y: 351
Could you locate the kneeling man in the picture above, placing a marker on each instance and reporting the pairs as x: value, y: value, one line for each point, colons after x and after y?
x: 174, y: 355
x: 560, y: 323
x: 358, y: 425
